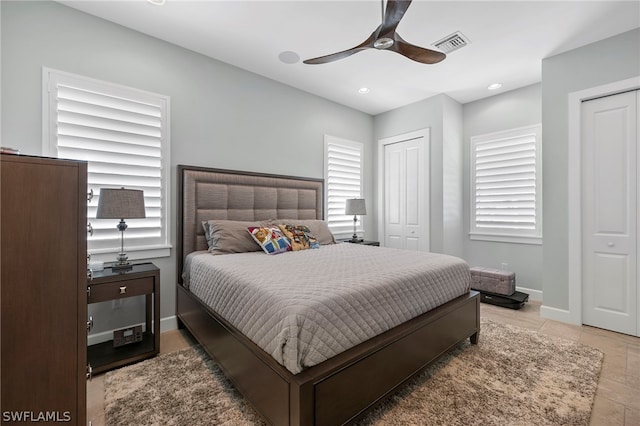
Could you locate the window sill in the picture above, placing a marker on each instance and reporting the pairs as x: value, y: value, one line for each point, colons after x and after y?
x: 135, y: 253
x: 513, y: 239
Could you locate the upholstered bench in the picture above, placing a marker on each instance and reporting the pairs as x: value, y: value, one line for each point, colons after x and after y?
x: 494, y: 281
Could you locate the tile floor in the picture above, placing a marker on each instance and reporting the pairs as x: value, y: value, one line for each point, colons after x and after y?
x: 617, y: 400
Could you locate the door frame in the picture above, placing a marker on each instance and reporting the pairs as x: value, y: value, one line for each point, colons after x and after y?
x: 575, y: 186
x: 417, y: 134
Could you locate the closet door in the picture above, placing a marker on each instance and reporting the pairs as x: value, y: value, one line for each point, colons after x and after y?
x: 405, y: 194
x: 43, y: 300
x: 610, y: 212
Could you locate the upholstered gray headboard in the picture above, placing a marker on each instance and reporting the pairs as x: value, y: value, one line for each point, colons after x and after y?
x: 225, y: 194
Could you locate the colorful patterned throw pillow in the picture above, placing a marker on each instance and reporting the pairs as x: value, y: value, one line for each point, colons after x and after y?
x: 300, y: 237
x: 270, y: 239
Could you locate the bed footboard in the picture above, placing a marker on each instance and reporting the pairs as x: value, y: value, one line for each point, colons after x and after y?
x: 343, y: 388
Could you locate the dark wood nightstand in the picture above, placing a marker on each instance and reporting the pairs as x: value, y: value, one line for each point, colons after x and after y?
x: 364, y: 242
x: 141, y: 279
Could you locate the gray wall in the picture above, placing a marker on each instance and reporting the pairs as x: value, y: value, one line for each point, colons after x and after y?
x: 221, y: 116
x: 452, y: 177
x: 613, y: 59
x: 430, y: 113
x: 509, y: 110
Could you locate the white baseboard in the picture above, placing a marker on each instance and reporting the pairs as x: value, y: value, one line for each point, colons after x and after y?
x: 556, y: 314
x: 549, y: 312
x: 166, y: 324
x: 533, y: 294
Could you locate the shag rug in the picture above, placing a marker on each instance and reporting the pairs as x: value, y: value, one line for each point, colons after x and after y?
x: 512, y: 377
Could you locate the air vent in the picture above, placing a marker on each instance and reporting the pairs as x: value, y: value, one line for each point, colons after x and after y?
x: 452, y: 42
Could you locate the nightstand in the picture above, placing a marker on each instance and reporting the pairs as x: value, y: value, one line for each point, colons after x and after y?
x: 364, y: 242
x: 141, y: 279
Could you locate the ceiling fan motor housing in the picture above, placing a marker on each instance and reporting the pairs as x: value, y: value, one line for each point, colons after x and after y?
x: 383, y: 43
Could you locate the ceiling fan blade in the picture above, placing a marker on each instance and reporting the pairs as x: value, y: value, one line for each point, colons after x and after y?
x: 367, y: 44
x: 416, y: 53
x: 392, y: 16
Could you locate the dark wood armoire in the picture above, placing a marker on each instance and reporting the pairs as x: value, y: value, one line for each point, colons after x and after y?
x: 43, y: 215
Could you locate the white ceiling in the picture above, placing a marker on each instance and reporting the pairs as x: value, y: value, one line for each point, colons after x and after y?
x: 509, y: 39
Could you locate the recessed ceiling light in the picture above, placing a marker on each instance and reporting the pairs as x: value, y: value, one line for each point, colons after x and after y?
x: 289, y: 57
x: 494, y: 86
x: 363, y: 90
x: 157, y: 2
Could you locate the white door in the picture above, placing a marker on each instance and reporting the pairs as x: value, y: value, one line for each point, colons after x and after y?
x: 609, y: 212
x: 406, y: 219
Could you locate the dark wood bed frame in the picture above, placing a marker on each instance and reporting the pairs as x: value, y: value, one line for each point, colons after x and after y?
x: 342, y: 388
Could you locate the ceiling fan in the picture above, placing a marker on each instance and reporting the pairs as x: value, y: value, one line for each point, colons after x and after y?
x: 385, y: 37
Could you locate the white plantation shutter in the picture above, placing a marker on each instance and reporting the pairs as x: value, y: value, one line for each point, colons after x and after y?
x: 343, y: 180
x: 123, y: 134
x: 506, y: 186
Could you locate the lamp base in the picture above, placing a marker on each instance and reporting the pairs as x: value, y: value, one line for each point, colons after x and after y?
x: 355, y: 239
x: 121, y: 268
x: 122, y: 263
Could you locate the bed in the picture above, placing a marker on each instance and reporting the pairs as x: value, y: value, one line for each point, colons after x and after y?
x: 334, y: 391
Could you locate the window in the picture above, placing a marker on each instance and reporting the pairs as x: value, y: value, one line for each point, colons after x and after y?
x: 506, y: 186
x: 123, y: 134
x: 343, y: 180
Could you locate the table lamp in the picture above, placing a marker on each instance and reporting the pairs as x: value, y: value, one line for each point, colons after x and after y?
x: 121, y: 204
x: 355, y: 207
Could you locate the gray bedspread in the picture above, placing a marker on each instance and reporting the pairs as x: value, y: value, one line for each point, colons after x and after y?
x: 305, y: 307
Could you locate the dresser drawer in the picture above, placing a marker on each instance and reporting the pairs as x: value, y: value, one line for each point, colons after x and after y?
x: 120, y: 289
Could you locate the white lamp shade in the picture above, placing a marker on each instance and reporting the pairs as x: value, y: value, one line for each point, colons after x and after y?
x: 355, y: 206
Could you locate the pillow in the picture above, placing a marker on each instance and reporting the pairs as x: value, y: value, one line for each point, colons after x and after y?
x: 319, y: 228
x: 270, y: 239
x: 300, y: 237
x: 229, y: 236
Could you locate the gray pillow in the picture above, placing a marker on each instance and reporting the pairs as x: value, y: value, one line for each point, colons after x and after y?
x: 230, y: 236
